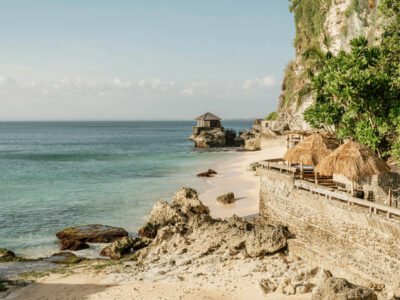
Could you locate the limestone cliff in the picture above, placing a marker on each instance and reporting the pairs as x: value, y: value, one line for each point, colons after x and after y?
x: 321, y: 26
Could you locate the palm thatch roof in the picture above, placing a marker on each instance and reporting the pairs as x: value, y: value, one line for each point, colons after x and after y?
x: 352, y: 160
x: 311, y: 150
x: 208, y: 117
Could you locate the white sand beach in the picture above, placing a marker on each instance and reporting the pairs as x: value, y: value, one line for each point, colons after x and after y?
x: 228, y: 280
x: 233, y: 177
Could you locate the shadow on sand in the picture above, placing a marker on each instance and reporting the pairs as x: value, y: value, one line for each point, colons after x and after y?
x: 49, y: 291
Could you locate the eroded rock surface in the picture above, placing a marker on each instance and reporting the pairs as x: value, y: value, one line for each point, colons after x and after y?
x: 340, y: 289
x: 118, y: 249
x: 185, y: 230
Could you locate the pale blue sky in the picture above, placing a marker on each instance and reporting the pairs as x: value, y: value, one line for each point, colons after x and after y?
x: 69, y: 60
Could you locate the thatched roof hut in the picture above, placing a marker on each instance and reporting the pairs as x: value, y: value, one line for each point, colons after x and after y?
x: 311, y: 150
x: 352, y: 160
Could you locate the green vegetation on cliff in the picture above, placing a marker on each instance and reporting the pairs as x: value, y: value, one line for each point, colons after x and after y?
x: 357, y: 94
x: 272, y: 116
x: 309, y: 16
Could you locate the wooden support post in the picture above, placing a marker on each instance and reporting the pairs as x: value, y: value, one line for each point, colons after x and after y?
x: 370, y: 209
x: 316, y: 177
x: 388, y: 214
x: 375, y: 210
x: 301, y: 171
x: 390, y: 197
x: 352, y: 187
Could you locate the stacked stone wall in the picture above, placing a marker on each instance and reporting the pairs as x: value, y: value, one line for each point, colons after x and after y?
x: 347, y: 240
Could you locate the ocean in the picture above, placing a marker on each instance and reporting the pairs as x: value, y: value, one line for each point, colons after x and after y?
x: 59, y: 174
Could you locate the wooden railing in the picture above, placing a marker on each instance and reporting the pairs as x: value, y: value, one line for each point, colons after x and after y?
x: 274, y: 164
x: 342, y: 196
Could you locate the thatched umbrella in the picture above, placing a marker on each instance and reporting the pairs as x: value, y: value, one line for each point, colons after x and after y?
x: 352, y: 160
x: 310, y: 151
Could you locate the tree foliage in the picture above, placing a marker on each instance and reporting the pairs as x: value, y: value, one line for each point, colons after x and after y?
x: 358, y: 94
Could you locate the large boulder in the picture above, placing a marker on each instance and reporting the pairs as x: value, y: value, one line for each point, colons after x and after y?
x: 340, y: 289
x: 226, y: 199
x: 186, y: 203
x: 161, y: 215
x: 208, y: 173
x: 75, y: 238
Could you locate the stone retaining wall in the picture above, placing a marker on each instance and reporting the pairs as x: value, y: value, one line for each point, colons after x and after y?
x: 347, y: 240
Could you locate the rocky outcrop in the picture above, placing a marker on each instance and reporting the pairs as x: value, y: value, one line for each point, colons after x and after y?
x: 185, y: 227
x: 75, y: 238
x: 226, y: 199
x: 208, y: 173
x: 186, y: 203
x: 119, y: 249
x: 340, y: 289
x: 214, y: 137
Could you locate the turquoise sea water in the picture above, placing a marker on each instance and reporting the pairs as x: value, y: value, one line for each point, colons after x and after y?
x: 59, y: 174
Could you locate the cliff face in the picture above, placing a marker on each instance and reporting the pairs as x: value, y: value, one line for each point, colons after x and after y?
x: 322, y: 26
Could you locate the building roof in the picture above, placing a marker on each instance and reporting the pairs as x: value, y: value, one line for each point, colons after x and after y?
x: 352, y: 160
x: 311, y: 150
x: 208, y: 117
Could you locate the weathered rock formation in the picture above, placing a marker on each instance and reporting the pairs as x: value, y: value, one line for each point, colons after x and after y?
x: 329, y: 26
x: 75, y: 238
x: 214, y: 137
x: 185, y: 226
x: 118, y: 249
x: 340, y: 289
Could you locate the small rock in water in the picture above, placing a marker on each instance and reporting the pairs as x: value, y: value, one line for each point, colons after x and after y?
x: 208, y: 173
x: 226, y: 199
x: 64, y: 258
x: 6, y: 255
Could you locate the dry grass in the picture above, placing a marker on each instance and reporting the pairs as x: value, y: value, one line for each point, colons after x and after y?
x: 352, y: 160
x: 311, y: 150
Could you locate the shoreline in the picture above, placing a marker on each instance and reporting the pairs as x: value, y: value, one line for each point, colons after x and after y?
x: 119, y: 284
x: 233, y: 177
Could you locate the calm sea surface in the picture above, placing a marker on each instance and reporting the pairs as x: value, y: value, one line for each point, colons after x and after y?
x: 59, y: 174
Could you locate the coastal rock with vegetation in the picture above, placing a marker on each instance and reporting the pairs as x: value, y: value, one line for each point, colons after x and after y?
x: 214, y: 137
x: 322, y: 27
x: 75, y: 238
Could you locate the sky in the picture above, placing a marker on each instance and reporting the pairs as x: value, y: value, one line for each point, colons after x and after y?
x: 142, y: 60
